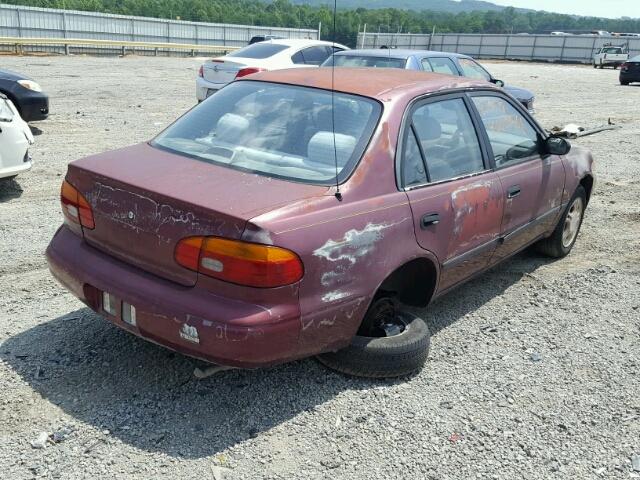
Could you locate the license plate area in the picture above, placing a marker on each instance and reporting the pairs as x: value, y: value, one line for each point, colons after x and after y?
x: 114, y: 307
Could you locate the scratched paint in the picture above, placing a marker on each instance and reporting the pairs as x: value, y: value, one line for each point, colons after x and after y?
x: 344, y: 253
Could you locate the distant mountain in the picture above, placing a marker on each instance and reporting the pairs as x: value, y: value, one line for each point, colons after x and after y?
x: 450, y: 6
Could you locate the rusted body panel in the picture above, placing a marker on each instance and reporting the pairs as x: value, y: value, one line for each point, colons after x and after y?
x: 145, y: 200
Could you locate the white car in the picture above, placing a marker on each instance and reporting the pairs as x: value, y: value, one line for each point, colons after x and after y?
x: 15, y: 139
x: 261, y: 56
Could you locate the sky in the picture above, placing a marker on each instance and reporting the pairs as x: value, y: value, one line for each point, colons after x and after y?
x: 596, y: 8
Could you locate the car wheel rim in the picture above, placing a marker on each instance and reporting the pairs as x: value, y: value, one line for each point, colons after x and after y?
x: 382, y: 320
x: 572, y: 223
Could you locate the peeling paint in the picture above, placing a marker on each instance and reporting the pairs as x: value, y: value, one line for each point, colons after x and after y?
x: 334, y: 296
x: 354, y: 244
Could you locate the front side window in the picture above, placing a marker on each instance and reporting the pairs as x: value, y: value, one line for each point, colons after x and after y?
x: 471, y: 69
x: 447, y: 139
x: 259, y: 50
x: 511, y: 136
x: 357, y: 61
x: 441, y: 65
x: 277, y: 130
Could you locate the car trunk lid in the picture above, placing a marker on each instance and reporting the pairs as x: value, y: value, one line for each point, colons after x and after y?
x: 146, y: 200
x: 221, y: 71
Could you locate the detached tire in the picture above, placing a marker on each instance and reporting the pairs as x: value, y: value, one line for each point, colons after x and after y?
x: 564, y: 237
x: 384, y: 357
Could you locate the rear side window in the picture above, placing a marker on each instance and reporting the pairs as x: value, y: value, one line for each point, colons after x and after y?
x: 298, y: 58
x: 259, y: 50
x: 441, y: 65
x: 511, y: 136
x: 316, y: 55
x: 471, y: 69
x: 277, y: 130
x: 448, y: 140
x: 365, y: 61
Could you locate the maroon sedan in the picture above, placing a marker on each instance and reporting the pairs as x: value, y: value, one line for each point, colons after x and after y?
x: 281, y: 219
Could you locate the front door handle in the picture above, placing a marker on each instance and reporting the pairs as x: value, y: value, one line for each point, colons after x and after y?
x: 514, y: 191
x: 429, y: 219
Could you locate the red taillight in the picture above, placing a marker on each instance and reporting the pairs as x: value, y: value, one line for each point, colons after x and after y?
x: 624, y: 67
x: 201, y: 71
x: 75, y: 207
x: 249, y: 71
x: 244, y: 263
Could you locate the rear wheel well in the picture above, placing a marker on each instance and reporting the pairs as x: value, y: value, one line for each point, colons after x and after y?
x: 413, y: 283
x: 587, y: 184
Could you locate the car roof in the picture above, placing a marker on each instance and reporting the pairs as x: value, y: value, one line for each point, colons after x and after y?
x: 299, y: 42
x: 395, y: 53
x: 384, y: 84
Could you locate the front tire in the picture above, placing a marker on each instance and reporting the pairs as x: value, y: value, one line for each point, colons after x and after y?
x: 564, y: 237
x: 399, y: 354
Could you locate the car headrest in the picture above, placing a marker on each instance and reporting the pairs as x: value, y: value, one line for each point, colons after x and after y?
x: 428, y: 128
x: 231, y: 128
x: 321, y: 149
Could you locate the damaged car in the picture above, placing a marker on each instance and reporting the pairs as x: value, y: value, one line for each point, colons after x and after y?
x: 15, y: 140
x: 293, y: 215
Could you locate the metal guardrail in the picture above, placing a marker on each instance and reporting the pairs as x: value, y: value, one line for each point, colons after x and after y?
x: 20, y: 42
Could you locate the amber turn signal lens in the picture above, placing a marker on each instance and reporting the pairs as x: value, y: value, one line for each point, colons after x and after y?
x: 75, y: 207
x: 243, y: 263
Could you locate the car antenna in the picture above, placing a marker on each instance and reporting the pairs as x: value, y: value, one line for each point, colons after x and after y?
x: 333, y: 102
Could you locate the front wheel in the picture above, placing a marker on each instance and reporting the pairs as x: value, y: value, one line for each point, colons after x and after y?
x: 561, y: 241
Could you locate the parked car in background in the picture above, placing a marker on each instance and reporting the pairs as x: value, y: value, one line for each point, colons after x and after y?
x: 610, y: 56
x: 26, y: 94
x: 268, y: 55
x: 630, y: 71
x: 428, y: 61
x: 262, y: 38
x: 290, y: 216
x: 15, y: 139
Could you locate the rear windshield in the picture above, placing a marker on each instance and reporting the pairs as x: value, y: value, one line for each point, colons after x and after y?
x: 612, y: 50
x: 365, y: 61
x: 277, y: 130
x: 259, y: 50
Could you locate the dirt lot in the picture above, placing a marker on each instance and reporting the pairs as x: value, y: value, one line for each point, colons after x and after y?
x: 534, y: 370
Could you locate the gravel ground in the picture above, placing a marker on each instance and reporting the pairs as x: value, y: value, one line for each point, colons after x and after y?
x: 533, y: 370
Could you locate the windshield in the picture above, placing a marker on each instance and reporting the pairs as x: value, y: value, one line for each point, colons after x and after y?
x: 259, y: 50
x: 612, y: 50
x: 364, y: 61
x: 277, y: 130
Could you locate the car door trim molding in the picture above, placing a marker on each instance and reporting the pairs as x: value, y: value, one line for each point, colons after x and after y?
x: 536, y: 221
x: 470, y: 254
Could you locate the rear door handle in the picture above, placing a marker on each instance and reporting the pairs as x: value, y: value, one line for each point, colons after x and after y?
x: 514, y: 191
x: 429, y: 219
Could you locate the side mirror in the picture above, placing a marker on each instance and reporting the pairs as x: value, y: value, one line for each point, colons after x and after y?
x: 557, y: 146
x: 497, y: 82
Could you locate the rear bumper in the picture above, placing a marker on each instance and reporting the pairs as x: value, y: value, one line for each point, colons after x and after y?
x: 630, y: 76
x: 189, y: 320
x: 204, y: 89
x: 15, y: 169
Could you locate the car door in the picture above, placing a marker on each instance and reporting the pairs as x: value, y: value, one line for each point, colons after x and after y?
x: 455, y: 197
x: 532, y: 183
